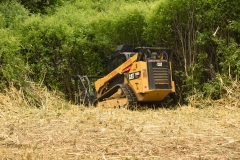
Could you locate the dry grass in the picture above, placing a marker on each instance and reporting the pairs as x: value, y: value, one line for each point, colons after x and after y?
x: 61, y: 131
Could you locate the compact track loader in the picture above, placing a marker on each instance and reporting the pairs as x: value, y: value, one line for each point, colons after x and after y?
x: 141, y: 75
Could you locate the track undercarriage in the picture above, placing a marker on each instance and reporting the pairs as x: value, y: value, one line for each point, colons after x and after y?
x: 119, y: 96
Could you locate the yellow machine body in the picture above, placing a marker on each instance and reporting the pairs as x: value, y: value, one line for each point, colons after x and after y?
x: 142, y: 83
x: 141, y: 86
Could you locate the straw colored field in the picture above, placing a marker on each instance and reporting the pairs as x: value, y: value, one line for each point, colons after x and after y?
x: 94, y: 133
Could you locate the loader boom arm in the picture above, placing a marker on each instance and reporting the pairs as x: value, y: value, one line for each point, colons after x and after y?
x: 100, y: 83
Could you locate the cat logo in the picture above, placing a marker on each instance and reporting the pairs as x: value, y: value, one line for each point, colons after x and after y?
x: 159, y: 64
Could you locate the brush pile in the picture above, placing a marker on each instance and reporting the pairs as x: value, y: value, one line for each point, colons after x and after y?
x: 232, y: 95
x: 229, y: 98
x: 29, y: 96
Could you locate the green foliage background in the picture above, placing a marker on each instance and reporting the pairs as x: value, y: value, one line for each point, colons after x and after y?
x: 52, y: 40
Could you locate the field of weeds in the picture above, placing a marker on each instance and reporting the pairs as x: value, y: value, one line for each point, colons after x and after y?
x: 76, y: 132
x: 93, y: 133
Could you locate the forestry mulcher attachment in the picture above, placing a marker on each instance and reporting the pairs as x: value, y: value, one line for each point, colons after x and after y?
x: 141, y: 75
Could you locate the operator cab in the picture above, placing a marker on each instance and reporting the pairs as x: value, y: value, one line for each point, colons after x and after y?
x: 124, y: 52
x: 119, y: 56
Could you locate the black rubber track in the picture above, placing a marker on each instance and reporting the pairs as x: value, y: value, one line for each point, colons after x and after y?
x: 127, y: 90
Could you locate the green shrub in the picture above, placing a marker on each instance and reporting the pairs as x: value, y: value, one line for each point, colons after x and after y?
x: 13, y: 69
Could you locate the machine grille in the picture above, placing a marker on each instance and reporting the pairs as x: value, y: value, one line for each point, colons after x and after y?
x: 161, y: 75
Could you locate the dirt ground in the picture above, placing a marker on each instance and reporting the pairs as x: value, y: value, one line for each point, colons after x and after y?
x: 94, y: 133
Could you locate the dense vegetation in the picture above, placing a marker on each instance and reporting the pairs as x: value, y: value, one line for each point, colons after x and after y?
x: 48, y: 41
